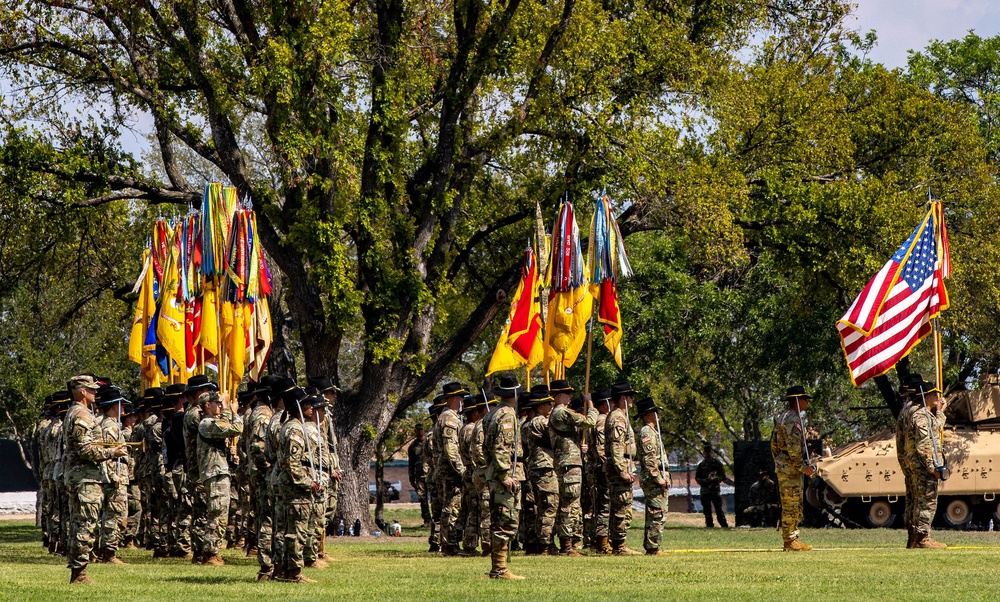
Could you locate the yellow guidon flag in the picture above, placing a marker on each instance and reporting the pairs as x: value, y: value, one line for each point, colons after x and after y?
x: 171, y: 323
x: 521, y: 340
x: 570, y: 302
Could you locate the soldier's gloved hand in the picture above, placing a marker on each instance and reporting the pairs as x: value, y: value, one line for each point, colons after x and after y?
x: 511, y: 484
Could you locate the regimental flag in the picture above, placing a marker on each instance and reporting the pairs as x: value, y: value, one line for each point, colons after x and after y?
x: 570, y: 302
x: 894, y: 311
x: 144, y: 310
x: 607, y: 260
x: 170, y: 326
x: 521, y: 340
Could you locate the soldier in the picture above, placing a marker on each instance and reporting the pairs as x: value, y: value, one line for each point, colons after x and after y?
x: 565, y: 426
x: 474, y: 409
x: 763, y: 508
x: 141, y: 469
x: 791, y: 461
x: 44, y: 499
x: 709, y: 475
x: 59, y: 507
x: 84, y: 473
x: 527, y: 534
x: 540, y: 461
x: 619, y: 452
x: 503, y: 473
x: 902, y: 426
x: 131, y: 532
x: 218, y: 424
x: 415, y: 469
x: 924, y: 437
x: 482, y: 489
x: 654, y: 474
x: 236, y: 534
x: 193, y: 415
x: 331, y: 464
x: 297, y: 483
x: 160, y: 479
x: 450, y: 468
x: 259, y: 466
x: 430, y: 465
x: 319, y: 458
x: 282, y: 390
x: 596, y: 464
x: 114, y: 511
x: 178, y: 525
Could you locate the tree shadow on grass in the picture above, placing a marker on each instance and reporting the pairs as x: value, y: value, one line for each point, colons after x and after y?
x: 20, y: 533
x: 210, y: 580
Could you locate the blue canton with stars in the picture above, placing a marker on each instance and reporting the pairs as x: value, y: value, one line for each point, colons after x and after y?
x: 920, y: 265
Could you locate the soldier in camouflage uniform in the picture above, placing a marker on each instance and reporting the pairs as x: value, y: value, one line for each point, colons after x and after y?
x: 218, y: 424
x: 450, y: 468
x: 297, y: 483
x: 906, y: 390
x: 430, y: 466
x: 331, y: 462
x: 44, y: 498
x: 283, y: 395
x: 565, y: 432
x: 482, y: 489
x: 178, y: 519
x: 474, y: 409
x: 193, y: 416
x: 500, y: 446
x: 84, y: 474
x: 319, y: 458
x: 619, y: 452
x: 141, y: 456
x: 540, y: 463
x: 596, y: 465
x: 923, y: 440
x: 114, y: 511
x: 790, y: 463
x: 709, y: 475
x: 259, y: 467
x: 415, y: 454
x: 527, y: 534
x: 236, y: 529
x: 160, y: 479
x: 57, y: 510
x: 131, y: 533
x: 654, y: 474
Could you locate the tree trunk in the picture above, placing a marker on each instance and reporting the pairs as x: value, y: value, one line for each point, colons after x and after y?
x: 380, y: 483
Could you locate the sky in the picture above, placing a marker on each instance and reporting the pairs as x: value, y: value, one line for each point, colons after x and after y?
x: 903, y: 25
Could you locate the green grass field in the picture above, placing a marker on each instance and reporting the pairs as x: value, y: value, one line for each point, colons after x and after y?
x: 846, y: 565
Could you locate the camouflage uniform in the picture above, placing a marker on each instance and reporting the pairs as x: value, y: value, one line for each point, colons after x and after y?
x: 468, y: 517
x: 596, y: 465
x: 317, y: 507
x: 156, y: 487
x: 902, y: 427
x: 619, y: 451
x: 196, y: 488
x: 131, y: 533
x: 330, y: 467
x: 60, y: 518
x: 415, y: 454
x: 527, y: 533
x: 44, y: 498
x: 175, y: 480
x: 271, y: 446
x: 481, y: 488
x: 85, y: 473
x: 541, y: 461
x: 433, y: 495
x: 923, y: 460
x: 293, y: 498
x: 501, y: 443
x: 709, y: 475
x: 258, y: 467
x: 655, y: 480
x: 114, y: 512
x: 789, y: 462
x: 213, y: 469
x: 139, y: 482
x: 565, y: 433
x: 448, y: 474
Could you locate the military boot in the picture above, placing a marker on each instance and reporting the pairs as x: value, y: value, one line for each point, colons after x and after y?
x: 566, y: 547
x: 449, y: 550
x: 319, y: 563
x: 263, y: 576
x: 602, y: 546
x: 794, y: 545
x: 911, y: 537
x: 214, y: 560
x: 468, y: 553
x: 499, y: 569
x: 550, y: 550
x: 656, y: 552
x: 619, y: 548
x: 79, y: 576
x: 295, y: 576
x: 925, y: 541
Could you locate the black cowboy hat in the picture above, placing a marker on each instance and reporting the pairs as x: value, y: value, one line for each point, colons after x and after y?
x: 294, y: 394
x: 323, y: 384
x: 540, y: 394
x: 619, y: 390
x: 317, y: 401
x: 174, y: 391
x: 602, y: 395
x: 797, y: 391
x: 153, y: 393
x: 507, y: 386
x: 198, y: 382
x: 561, y: 386
x: 453, y: 389
x: 109, y: 396
x: 644, y: 406
x: 472, y: 402
x: 926, y: 387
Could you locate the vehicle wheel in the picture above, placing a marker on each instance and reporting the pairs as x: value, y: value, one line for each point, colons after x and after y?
x: 957, y: 513
x: 996, y: 515
x: 880, y: 514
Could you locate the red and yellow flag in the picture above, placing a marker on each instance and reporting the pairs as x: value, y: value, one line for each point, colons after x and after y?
x: 521, y: 340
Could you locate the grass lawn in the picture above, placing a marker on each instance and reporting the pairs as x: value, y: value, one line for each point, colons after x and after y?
x: 865, y: 565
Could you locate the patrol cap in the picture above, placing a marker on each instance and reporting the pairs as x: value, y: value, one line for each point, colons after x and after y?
x: 82, y: 381
x: 207, y: 396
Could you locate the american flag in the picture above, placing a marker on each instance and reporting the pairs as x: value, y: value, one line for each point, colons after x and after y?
x: 894, y: 311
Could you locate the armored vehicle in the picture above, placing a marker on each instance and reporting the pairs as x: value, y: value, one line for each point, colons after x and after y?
x: 861, y: 484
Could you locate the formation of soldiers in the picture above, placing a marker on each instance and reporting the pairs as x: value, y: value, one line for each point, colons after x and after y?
x: 184, y: 471
x: 538, y: 470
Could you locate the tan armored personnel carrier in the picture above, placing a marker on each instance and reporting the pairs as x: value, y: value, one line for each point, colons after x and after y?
x: 862, y: 485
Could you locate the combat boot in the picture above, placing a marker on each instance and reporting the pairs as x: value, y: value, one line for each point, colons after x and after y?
x: 214, y: 560
x: 577, y: 544
x: 251, y: 552
x: 263, y: 576
x: 566, y: 547
x: 449, y: 550
x: 296, y: 576
x: 619, y: 548
x: 467, y: 553
x: 656, y: 552
x: 794, y: 545
x: 602, y: 546
x: 926, y: 542
x: 550, y: 550
x: 319, y: 563
x: 161, y: 553
x: 499, y: 569
x: 911, y: 537
x: 434, y: 547
x: 79, y: 576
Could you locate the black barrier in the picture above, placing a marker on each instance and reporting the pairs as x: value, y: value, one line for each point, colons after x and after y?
x: 14, y: 475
